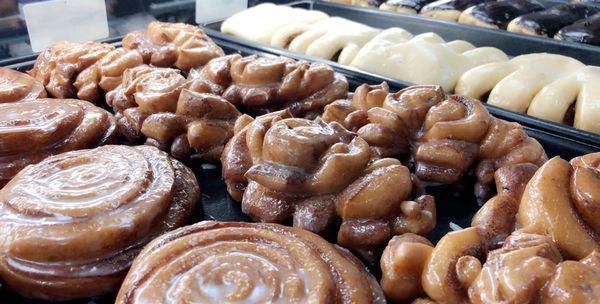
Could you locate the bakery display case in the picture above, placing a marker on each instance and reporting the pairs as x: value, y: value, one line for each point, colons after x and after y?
x: 175, y: 162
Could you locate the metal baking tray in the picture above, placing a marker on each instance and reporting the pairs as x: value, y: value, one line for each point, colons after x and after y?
x: 455, y: 203
x: 420, y: 25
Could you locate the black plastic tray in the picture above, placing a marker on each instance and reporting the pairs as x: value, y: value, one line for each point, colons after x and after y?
x: 455, y: 203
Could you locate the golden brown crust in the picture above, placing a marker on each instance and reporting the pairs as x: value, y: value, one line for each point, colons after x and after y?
x: 73, y: 223
x: 32, y: 130
x: 16, y: 86
x: 155, y: 104
x: 247, y: 262
x: 179, y: 45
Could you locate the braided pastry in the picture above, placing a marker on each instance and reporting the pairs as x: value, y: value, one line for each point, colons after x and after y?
x: 448, y: 134
x: 250, y: 263
x: 173, y: 44
x: 282, y: 167
x: 557, y: 213
x: 16, y: 86
x: 156, y: 103
x: 264, y: 84
x: 32, y: 130
x: 73, y: 223
x: 423, y: 59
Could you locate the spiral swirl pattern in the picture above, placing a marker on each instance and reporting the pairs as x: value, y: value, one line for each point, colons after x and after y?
x: 32, y: 130
x: 73, y: 223
x: 173, y: 44
x: 215, y: 262
x: 266, y: 84
x: 16, y: 86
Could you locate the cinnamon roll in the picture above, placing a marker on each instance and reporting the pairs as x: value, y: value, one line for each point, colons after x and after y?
x: 498, y: 14
x: 173, y: 44
x: 73, y: 223
x: 265, y: 84
x: 447, y: 135
x: 161, y: 106
x: 32, y: 130
x: 16, y: 86
x: 251, y: 263
x: 282, y: 167
x: 582, y: 31
x: 549, y: 21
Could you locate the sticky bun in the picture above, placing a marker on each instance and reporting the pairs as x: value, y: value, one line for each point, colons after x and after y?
x: 318, y: 173
x: 32, y: 130
x: 16, y: 86
x: 265, y: 84
x: 73, y: 223
x: 246, y: 262
x: 535, y: 242
x: 179, y: 45
x: 447, y: 135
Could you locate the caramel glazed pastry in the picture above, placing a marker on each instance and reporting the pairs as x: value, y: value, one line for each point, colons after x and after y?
x: 281, y: 167
x: 87, y: 70
x: 16, y: 86
x: 498, y: 14
x: 218, y: 262
x: 548, y: 22
x: 72, y: 224
x: 34, y: 129
x: 535, y: 242
x: 195, y: 116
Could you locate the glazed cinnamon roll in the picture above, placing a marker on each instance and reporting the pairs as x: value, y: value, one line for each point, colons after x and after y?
x: 266, y: 84
x: 251, y: 263
x: 32, y: 130
x: 282, y: 167
x: 161, y: 106
x: 16, y: 86
x: 180, y: 45
x: 73, y: 223
x: 448, y: 135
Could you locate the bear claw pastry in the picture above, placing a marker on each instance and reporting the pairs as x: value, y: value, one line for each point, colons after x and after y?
x: 73, y: 223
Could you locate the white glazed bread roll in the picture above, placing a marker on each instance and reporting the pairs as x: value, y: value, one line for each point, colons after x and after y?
x: 513, y: 84
x: 326, y: 38
x: 423, y: 59
x: 260, y: 22
x: 581, y: 88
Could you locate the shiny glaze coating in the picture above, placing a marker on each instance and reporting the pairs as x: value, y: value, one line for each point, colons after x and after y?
x: 265, y: 84
x: 73, y: 223
x: 582, y: 31
x: 179, y: 45
x: 246, y: 262
x: 549, y: 21
x: 32, y: 130
x: 16, y: 86
x: 498, y: 14
x: 317, y: 173
x: 448, y: 9
x: 448, y: 135
x: 404, y: 6
x: 170, y: 112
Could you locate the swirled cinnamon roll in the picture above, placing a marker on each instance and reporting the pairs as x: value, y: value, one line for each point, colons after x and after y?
x: 266, y: 84
x: 159, y: 105
x: 32, y: 130
x: 72, y: 224
x: 317, y: 173
x: 448, y: 135
x: 180, y: 45
x: 16, y: 86
x: 244, y: 262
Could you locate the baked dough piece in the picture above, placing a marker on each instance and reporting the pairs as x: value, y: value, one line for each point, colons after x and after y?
x: 423, y: 59
x: 513, y: 84
x: 582, y: 31
x: 326, y: 38
x: 498, y: 14
x: 260, y: 22
x: 16, y: 86
x: 548, y: 22
x: 448, y: 9
x: 582, y: 88
x: 404, y: 6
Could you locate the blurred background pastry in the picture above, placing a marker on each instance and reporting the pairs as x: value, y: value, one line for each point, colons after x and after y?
x: 583, y: 31
x: 448, y: 9
x: 498, y: 14
x: 16, y: 86
x: 548, y: 22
